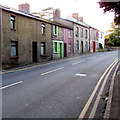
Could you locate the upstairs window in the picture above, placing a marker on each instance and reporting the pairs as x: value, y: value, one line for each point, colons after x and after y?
x: 86, y: 34
x: 43, y: 28
x: 14, y: 48
x: 12, y: 22
x: 69, y: 34
x: 77, y: 31
x: 81, y: 32
x: 54, y: 30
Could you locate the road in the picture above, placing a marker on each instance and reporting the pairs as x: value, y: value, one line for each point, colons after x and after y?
x: 54, y: 90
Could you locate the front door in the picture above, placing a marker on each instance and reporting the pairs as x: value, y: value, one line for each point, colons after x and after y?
x: 65, y: 50
x: 61, y: 50
x: 34, y: 51
x: 81, y: 46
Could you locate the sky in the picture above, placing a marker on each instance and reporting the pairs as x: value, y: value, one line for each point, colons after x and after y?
x: 88, y: 9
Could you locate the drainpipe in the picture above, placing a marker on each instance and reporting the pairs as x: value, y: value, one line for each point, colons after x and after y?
x: 89, y: 38
x: 0, y: 38
x: 0, y: 62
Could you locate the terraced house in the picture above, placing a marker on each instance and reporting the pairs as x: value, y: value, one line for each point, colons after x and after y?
x: 25, y: 38
x: 81, y: 34
x: 68, y: 37
x: 57, y: 41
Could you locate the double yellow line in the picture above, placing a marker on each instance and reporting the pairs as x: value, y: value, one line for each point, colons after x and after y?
x: 94, y: 108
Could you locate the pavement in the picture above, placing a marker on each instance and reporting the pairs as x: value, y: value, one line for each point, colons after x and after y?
x: 113, y: 104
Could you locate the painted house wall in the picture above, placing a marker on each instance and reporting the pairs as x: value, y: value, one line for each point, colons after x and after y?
x: 68, y: 42
x: 27, y: 30
x: 57, y: 42
x: 101, y: 39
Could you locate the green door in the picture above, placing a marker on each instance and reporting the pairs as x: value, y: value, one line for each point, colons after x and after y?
x: 61, y: 50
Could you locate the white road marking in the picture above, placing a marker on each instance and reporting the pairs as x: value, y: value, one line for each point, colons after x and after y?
x: 83, y: 75
x: 11, y: 85
x: 77, y: 62
x: 52, y: 71
x: 82, y: 114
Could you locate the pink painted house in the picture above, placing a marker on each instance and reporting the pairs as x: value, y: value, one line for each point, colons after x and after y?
x: 68, y: 42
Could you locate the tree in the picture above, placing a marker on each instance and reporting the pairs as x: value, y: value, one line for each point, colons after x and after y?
x: 113, y: 39
x: 110, y: 6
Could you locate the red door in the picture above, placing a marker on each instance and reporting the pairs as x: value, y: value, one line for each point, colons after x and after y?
x: 94, y: 46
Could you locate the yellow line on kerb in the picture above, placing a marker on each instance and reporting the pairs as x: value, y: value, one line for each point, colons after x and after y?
x: 32, y: 66
x: 82, y: 114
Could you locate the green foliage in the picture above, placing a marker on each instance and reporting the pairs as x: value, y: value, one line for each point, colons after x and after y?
x: 111, y: 7
x: 114, y: 39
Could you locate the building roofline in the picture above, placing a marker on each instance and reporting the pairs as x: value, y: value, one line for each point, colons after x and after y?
x: 26, y: 14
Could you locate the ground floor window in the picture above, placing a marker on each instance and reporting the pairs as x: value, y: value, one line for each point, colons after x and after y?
x: 69, y: 47
x: 14, y: 48
x: 42, y: 45
x: 55, y: 47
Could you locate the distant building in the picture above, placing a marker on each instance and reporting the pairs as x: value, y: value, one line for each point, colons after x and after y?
x: 101, y: 39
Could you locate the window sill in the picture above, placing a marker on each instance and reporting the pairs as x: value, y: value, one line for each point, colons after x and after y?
x: 14, y: 57
x: 13, y: 29
x: 43, y: 33
x: 43, y: 55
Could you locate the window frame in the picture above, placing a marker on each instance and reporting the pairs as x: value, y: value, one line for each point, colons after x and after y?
x: 77, y: 31
x: 14, y: 49
x: 55, y: 47
x: 12, y: 22
x: 43, y: 28
x: 81, y: 32
x: 42, y: 48
x: 54, y: 29
x: 86, y: 34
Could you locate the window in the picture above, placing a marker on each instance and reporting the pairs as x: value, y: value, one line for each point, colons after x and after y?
x: 86, y: 34
x: 54, y: 30
x: 12, y: 22
x: 42, y: 48
x: 77, y: 31
x: 14, y: 48
x: 77, y: 45
x: 55, y: 47
x: 81, y: 32
x: 43, y: 28
x: 69, y: 34
x: 101, y: 36
x: 69, y: 47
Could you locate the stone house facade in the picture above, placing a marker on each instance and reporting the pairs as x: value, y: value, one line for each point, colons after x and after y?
x: 94, y: 45
x: 25, y: 38
x: 81, y: 36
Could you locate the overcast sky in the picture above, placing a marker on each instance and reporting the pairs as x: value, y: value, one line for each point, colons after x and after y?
x: 88, y: 9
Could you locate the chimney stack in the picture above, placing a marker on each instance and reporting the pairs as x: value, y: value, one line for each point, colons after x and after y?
x: 80, y: 18
x: 56, y: 13
x: 24, y: 7
x: 75, y: 15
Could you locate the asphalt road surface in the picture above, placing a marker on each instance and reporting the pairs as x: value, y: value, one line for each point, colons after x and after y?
x: 55, y: 90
